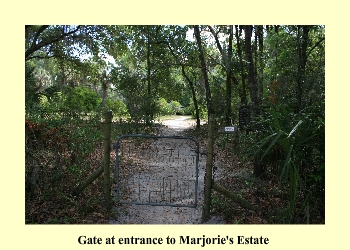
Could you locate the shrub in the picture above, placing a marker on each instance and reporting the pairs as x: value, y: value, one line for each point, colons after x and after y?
x: 81, y: 99
x: 294, y: 145
x: 163, y: 107
x: 118, y: 107
x: 168, y: 108
x: 175, y: 107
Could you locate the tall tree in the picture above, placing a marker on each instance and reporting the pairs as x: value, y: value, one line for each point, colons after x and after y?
x: 303, y: 40
x: 184, y: 54
x: 259, y: 61
x: 227, y: 65
x: 253, y: 85
x: 242, y: 69
x: 104, y: 88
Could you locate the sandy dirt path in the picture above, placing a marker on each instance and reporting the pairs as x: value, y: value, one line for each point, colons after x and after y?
x: 147, y: 214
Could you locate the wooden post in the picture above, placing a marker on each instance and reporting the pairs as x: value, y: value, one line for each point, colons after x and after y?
x: 106, y: 158
x: 88, y: 181
x: 236, y: 198
x: 208, y: 181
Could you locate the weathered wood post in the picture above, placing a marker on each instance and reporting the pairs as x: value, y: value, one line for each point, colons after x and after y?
x: 208, y: 179
x: 106, y: 158
x: 88, y: 181
x: 209, y: 165
x: 106, y: 164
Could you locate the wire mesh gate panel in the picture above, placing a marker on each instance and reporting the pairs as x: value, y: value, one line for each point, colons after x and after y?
x: 157, y: 170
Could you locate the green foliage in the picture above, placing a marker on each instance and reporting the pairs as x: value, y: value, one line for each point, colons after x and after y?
x: 63, y: 141
x: 294, y: 148
x: 282, y: 62
x: 164, y: 107
x: 141, y: 109
x: 175, y: 107
x: 36, y: 92
x: 118, y: 107
x: 81, y: 99
x: 190, y: 110
x: 30, y: 82
x: 203, y: 111
x: 169, y: 108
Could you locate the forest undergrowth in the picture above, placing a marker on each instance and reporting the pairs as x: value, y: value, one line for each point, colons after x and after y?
x: 234, y: 171
x: 56, y: 163
x: 58, y: 157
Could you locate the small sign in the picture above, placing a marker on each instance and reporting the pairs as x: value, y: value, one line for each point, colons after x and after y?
x: 228, y: 130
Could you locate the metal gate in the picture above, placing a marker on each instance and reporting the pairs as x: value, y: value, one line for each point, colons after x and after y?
x: 157, y: 170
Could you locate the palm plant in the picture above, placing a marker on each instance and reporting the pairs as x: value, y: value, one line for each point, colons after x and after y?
x: 298, y: 140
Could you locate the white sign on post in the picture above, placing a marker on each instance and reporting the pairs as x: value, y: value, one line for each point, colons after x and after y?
x: 229, y: 129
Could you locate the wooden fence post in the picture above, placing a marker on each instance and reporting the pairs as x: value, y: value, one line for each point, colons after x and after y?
x: 88, y: 181
x: 208, y: 181
x: 106, y: 158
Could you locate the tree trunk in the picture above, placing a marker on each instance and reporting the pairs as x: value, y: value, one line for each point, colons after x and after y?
x: 204, y: 70
x: 148, y: 62
x: 194, y: 98
x: 228, y: 111
x: 302, y: 58
x: 226, y: 57
x: 241, y: 66
x: 106, y: 159
x: 251, y: 71
x: 260, y: 36
x: 276, y: 52
x: 149, y: 111
x: 210, y: 147
x: 104, y: 90
x: 62, y: 81
x: 253, y: 86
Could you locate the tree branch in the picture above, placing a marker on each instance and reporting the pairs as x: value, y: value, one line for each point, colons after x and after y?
x: 35, y: 47
x: 41, y: 30
x: 40, y: 57
x: 171, y: 50
x: 308, y: 53
x: 216, y: 39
